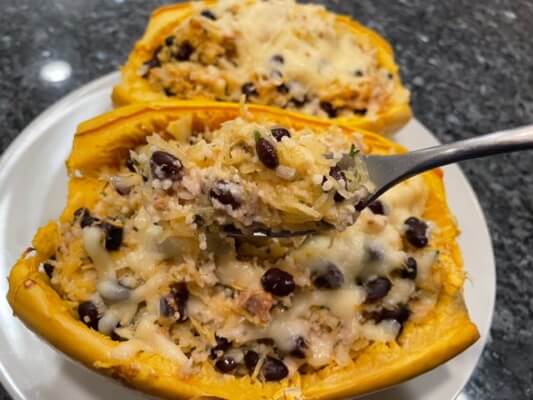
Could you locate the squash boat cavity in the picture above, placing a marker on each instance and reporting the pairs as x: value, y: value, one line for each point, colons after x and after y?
x: 394, y: 313
x: 277, y: 53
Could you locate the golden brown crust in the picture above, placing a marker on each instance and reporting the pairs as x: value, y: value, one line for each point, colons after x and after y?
x: 423, y: 345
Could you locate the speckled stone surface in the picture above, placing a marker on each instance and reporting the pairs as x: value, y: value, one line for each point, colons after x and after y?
x: 469, y: 65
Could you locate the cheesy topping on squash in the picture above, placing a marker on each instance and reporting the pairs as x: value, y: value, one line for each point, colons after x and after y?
x: 154, y: 263
x: 273, y: 52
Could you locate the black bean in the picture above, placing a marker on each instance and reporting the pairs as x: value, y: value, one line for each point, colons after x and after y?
x: 225, y: 364
x: 278, y: 282
x: 208, y: 14
x: 305, y: 369
x: 185, y: 51
x: 49, y: 269
x: 336, y: 173
x: 169, y: 40
x: 278, y: 58
x: 267, y: 341
x: 283, y: 88
x: 121, y: 187
x: 358, y: 73
x: 266, y: 153
x: 174, y: 303
x: 222, y: 193
x: 331, y: 277
x: 400, y: 313
x: 222, y: 345
x: 113, y: 236
x: 153, y: 63
x: 377, y: 207
x: 373, y: 254
x: 250, y: 360
x: 116, y: 337
x: 416, y: 232
x: 130, y: 164
x: 168, y: 92
x: 279, y: 133
x: 298, y: 102
x: 274, y: 369
x: 83, y: 215
x: 157, y: 51
x: 249, y: 89
x: 231, y: 229
x: 361, y: 111
x: 166, y: 305
x: 338, y: 198
x: 377, y: 288
x: 409, y: 269
x: 165, y: 166
x: 300, y: 346
x: 80, y: 211
x: 88, y: 314
x: 198, y: 221
x: 329, y: 109
x: 181, y: 295
x: 360, y: 205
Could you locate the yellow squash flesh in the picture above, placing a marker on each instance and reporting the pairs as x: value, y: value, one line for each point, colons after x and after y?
x: 104, y: 142
x: 135, y: 89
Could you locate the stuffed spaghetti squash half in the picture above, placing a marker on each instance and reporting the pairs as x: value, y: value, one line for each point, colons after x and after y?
x: 148, y: 275
x: 277, y: 53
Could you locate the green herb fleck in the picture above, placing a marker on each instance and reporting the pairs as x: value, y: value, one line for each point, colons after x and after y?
x: 257, y: 135
x: 353, y: 151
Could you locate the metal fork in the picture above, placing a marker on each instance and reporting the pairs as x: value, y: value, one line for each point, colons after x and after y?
x: 387, y: 171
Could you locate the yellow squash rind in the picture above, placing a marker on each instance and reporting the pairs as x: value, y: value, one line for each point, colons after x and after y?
x: 135, y: 89
x: 104, y: 141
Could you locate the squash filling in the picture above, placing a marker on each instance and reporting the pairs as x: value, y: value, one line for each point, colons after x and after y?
x: 154, y: 264
x: 277, y: 53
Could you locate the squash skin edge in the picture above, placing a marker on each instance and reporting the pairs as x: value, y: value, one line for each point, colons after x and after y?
x: 134, y: 89
x: 443, y: 334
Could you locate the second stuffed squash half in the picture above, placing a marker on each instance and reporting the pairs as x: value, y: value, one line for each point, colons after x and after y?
x: 146, y: 277
x: 277, y: 53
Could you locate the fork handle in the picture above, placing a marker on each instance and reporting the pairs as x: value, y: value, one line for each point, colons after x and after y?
x: 393, y: 169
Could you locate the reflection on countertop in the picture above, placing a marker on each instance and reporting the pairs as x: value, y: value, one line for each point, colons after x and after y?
x: 467, y: 63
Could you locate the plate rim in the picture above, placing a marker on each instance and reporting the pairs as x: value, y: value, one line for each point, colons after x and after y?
x: 48, y: 116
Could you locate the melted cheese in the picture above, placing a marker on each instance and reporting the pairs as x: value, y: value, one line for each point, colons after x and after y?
x: 385, y: 331
x: 305, y: 35
x: 321, y: 351
x: 148, y: 336
x: 346, y: 251
x: 329, y: 320
x: 147, y: 254
x: 239, y: 274
x: 93, y: 241
x: 405, y: 200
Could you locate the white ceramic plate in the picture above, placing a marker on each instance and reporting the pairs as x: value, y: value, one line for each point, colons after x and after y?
x: 33, y: 191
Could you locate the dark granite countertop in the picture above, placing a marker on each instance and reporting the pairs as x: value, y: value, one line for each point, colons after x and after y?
x: 469, y: 65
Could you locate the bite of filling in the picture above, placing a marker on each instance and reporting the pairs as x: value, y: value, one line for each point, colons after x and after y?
x: 154, y: 266
x: 277, y: 53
